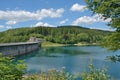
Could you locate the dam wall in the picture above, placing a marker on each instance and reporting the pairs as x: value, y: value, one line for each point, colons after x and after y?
x: 15, y: 49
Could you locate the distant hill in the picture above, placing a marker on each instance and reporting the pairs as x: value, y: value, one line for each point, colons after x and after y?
x: 60, y: 34
x: 70, y: 26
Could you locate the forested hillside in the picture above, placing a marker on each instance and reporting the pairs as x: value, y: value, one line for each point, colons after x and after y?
x: 61, y: 34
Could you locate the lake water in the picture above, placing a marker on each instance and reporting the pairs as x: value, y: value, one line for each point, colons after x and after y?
x: 73, y: 58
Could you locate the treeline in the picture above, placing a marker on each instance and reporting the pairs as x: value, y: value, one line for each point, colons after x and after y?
x: 61, y: 34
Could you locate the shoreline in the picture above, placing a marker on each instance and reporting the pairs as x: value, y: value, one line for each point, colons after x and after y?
x: 50, y: 44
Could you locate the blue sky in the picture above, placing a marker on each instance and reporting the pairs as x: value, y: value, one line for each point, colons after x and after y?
x: 31, y: 13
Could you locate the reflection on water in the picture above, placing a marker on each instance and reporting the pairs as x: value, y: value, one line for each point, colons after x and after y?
x: 73, y: 58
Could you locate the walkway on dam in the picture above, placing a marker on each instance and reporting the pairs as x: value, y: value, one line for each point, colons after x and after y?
x: 19, y: 43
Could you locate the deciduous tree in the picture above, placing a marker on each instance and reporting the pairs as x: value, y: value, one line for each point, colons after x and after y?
x: 109, y: 9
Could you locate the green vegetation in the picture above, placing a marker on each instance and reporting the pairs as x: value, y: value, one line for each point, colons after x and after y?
x: 47, y: 44
x: 10, y: 70
x: 114, y: 58
x: 66, y: 35
x: 92, y: 74
x: 53, y: 74
x: 108, y: 9
x: 95, y: 74
x: 61, y: 34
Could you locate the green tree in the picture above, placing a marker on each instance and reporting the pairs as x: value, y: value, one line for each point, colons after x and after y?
x: 9, y: 70
x: 109, y: 9
x: 83, y: 37
x: 62, y: 35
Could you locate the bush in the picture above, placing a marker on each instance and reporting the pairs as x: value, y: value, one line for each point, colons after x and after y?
x: 95, y: 74
x: 11, y: 71
x: 51, y: 75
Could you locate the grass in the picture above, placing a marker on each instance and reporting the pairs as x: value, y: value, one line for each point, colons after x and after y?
x: 47, y: 44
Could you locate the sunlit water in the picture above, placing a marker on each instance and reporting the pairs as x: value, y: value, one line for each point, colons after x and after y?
x: 73, y: 58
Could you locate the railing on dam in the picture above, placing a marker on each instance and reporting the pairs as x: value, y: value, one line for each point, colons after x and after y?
x: 14, y: 49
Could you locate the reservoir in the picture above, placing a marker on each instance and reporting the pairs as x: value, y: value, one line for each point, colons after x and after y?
x: 75, y: 59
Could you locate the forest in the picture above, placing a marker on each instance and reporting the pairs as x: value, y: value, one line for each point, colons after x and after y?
x: 60, y: 34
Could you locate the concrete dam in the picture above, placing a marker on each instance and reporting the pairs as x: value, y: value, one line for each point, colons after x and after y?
x: 14, y: 49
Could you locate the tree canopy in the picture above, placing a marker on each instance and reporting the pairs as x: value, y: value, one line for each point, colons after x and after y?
x: 61, y: 34
x: 108, y: 9
x: 11, y: 70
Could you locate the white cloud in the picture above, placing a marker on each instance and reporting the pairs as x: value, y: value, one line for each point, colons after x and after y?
x: 64, y: 21
x: 5, y: 27
x: 22, y: 15
x: 90, y: 20
x: 50, y: 13
x: 11, y: 22
x: 16, y: 15
x: 8, y: 27
x: 84, y: 19
x: 78, y: 7
x: 1, y: 26
x: 43, y: 24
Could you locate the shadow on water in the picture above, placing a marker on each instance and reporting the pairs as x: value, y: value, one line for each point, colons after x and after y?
x: 53, y: 52
x: 64, y: 50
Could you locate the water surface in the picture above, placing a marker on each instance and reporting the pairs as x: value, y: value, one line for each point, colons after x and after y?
x: 73, y: 58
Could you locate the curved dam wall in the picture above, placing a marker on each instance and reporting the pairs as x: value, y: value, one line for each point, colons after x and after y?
x: 14, y: 49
